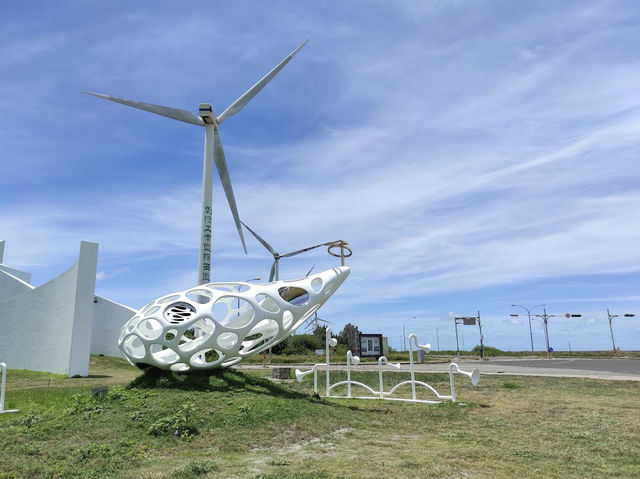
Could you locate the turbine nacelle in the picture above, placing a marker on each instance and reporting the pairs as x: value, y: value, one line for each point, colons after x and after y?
x: 207, y: 114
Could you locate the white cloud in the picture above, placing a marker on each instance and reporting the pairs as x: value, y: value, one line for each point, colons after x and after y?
x: 455, y: 157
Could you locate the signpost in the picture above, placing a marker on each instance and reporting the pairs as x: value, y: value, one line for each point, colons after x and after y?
x: 470, y: 321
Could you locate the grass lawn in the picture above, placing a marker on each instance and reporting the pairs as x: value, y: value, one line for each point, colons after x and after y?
x: 233, y: 424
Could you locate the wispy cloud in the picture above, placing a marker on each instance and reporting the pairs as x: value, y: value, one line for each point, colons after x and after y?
x: 464, y: 151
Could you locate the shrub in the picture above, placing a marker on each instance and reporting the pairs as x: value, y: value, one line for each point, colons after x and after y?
x: 182, y: 424
x: 300, y: 344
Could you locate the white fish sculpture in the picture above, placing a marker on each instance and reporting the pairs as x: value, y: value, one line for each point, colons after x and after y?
x: 218, y: 325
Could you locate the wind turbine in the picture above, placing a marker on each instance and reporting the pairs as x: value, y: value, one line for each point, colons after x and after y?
x: 314, y: 323
x: 275, y: 269
x: 213, y: 154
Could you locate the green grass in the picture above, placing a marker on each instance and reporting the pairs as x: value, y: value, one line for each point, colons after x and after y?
x: 436, y: 356
x: 229, y: 424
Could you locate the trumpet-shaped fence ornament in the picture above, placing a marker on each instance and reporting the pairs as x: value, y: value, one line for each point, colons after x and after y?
x: 474, y: 376
x: 329, y: 343
x: 218, y: 325
x: 3, y: 367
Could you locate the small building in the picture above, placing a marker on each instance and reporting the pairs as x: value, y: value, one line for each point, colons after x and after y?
x: 371, y: 345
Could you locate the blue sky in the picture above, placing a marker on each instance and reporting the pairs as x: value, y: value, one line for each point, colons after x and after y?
x: 474, y: 154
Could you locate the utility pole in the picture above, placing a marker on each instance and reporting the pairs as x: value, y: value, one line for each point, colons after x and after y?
x: 481, y: 337
x: 545, y: 318
x: 529, y: 316
x: 611, y: 316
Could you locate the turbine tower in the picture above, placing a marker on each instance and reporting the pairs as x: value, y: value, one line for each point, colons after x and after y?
x: 213, y: 154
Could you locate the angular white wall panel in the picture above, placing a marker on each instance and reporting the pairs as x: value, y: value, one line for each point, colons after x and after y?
x: 108, y: 319
x: 22, y: 275
x: 83, y: 309
x: 49, y: 328
x: 11, y: 285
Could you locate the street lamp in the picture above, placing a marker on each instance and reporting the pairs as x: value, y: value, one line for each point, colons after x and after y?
x: 611, y: 316
x: 404, y: 333
x: 545, y: 317
x: 529, y: 315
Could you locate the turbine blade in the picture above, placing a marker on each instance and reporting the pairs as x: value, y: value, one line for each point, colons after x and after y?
x: 257, y: 236
x: 223, y: 173
x: 239, y: 104
x: 182, y: 115
x: 309, y: 272
x: 273, y: 271
x: 293, y: 253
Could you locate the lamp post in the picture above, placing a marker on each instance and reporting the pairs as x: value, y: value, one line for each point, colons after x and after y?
x: 529, y: 316
x: 611, y: 316
x: 404, y: 333
x: 545, y: 318
x: 437, y: 339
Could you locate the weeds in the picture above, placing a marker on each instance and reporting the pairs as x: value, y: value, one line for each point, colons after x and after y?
x: 182, y: 424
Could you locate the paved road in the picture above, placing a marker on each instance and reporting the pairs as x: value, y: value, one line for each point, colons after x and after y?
x: 618, y: 369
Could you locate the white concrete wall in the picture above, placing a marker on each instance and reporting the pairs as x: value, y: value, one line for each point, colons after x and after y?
x: 23, y: 275
x: 49, y: 328
x: 108, y: 319
x: 11, y: 285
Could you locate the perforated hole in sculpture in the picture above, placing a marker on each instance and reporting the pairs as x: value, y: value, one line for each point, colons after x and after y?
x: 179, y: 367
x: 317, y: 284
x: 162, y: 354
x: 133, y: 322
x: 151, y: 311
x: 146, y: 306
x: 150, y: 329
x: 205, y: 358
x: 264, y: 327
x: 260, y: 335
x: 192, y: 339
x: 203, y: 327
x: 254, y: 346
x: 201, y: 296
x: 233, y: 312
x: 223, y: 287
x: 294, y: 295
x: 287, y: 319
x: 267, y: 303
x: 221, y: 309
x: 227, y: 340
x: 134, y: 347
x: 177, y: 313
x: 171, y: 335
x: 231, y: 362
x: 168, y: 299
